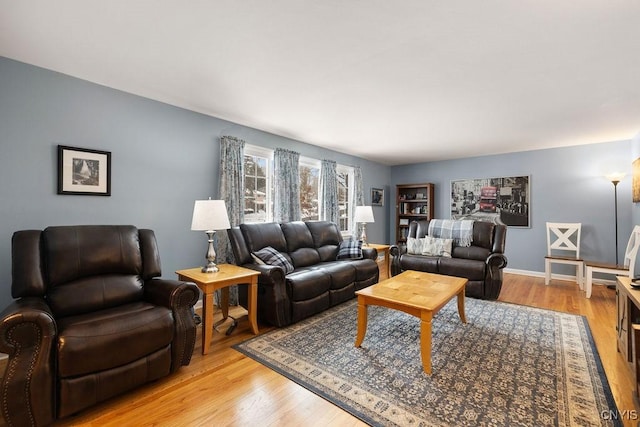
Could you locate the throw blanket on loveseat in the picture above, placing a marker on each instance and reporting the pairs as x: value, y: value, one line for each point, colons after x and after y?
x: 461, y: 231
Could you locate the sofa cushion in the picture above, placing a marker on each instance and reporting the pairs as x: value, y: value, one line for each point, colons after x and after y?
x: 437, y: 247
x: 300, y: 244
x: 271, y: 256
x: 341, y: 273
x: 261, y: 235
x: 326, y: 239
x: 472, y: 252
x: 468, y: 268
x: 428, y: 264
x: 307, y: 284
x: 84, y: 340
x: 350, y: 249
x: 365, y: 268
x: 483, y: 232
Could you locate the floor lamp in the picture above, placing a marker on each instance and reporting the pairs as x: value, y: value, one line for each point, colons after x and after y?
x: 615, y: 178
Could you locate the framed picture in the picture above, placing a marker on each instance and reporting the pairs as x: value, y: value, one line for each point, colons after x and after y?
x: 503, y: 200
x: 377, y: 197
x: 84, y: 171
x: 403, y: 221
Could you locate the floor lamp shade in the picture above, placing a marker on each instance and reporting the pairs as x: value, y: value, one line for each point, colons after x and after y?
x: 209, y: 216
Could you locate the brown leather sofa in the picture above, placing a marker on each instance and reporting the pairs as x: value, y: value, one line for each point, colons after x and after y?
x: 318, y: 281
x: 481, y: 263
x: 91, y: 320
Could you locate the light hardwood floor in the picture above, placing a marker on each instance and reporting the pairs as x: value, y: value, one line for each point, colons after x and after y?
x: 225, y: 388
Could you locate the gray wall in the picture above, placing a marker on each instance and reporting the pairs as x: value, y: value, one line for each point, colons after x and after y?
x: 635, y: 149
x: 566, y: 185
x: 163, y: 158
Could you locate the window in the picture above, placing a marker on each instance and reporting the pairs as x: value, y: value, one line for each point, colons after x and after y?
x: 257, y: 189
x: 309, y: 188
x: 345, y: 197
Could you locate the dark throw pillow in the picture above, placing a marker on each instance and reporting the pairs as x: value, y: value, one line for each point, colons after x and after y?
x: 350, y: 249
x: 271, y: 256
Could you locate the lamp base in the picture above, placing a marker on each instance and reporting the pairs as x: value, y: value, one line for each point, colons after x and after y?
x: 210, y: 268
x: 363, y: 235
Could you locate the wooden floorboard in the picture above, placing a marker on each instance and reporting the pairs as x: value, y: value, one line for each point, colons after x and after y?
x: 225, y: 388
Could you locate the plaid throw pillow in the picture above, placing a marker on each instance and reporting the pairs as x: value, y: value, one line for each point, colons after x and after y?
x: 350, y: 249
x: 271, y: 256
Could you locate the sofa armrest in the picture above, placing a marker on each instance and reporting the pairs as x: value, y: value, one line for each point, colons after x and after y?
x: 270, y: 275
x: 496, y: 261
x: 493, y: 278
x: 369, y: 253
x: 28, y: 334
x: 396, y: 251
x: 273, y: 301
x: 180, y: 297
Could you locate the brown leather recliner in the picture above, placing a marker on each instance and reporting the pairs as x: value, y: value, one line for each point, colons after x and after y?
x: 91, y: 320
x: 481, y: 263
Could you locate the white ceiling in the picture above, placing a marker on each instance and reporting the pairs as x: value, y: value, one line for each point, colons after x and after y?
x: 395, y: 82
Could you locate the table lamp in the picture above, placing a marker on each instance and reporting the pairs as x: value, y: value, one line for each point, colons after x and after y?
x: 363, y: 214
x: 209, y: 216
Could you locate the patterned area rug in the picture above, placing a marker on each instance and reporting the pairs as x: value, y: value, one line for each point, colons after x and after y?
x: 509, y: 365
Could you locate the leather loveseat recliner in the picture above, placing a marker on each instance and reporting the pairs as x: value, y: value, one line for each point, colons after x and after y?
x: 91, y: 320
x: 318, y: 281
x: 481, y: 263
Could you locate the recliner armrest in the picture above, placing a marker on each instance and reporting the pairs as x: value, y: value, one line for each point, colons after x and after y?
x: 171, y: 293
x: 179, y: 297
x: 27, y: 334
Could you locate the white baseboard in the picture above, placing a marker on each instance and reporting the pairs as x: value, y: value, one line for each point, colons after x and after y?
x: 596, y: 281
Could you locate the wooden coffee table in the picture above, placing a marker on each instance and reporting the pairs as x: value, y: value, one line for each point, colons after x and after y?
x: 419, y: 294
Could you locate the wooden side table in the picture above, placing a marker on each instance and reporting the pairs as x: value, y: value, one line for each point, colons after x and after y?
x: 210, y: 282
x: 385, y: 250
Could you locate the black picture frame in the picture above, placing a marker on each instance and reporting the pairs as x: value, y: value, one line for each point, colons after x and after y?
x: 82, y: 171
x: 502, y: 200
x: 377, y: 197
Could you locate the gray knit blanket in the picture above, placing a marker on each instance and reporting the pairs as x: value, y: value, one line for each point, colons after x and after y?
x: 461, y: 231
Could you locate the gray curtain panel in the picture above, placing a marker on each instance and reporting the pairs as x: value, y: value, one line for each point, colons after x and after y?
x: 329, y: 210
x: 232, y: 192
x: 286, y: 200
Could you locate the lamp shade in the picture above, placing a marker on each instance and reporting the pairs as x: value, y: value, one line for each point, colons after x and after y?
x: 210, y: 215
x: 615, y: 176
x: 364, y: 214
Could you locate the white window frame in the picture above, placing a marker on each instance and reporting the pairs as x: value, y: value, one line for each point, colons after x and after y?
x: 349, y: 170
x: 267, y: 153
x: 315, y: 164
